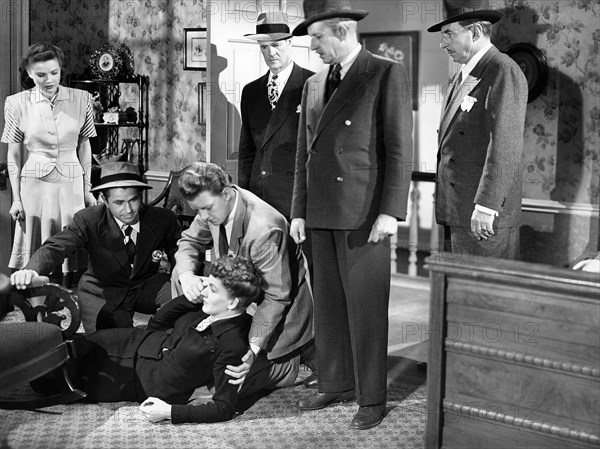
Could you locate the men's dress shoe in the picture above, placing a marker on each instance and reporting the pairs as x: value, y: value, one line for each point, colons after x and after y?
x: 322, y: 400
x: 311, y: 381
x: 368, y: 416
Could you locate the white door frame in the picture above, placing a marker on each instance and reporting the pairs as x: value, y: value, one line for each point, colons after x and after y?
x: 14, y: 39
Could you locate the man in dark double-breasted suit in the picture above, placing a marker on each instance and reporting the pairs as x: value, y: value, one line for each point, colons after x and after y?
x: 270, y: 113
x: 353, y: 171
x: 125, y: 241
x: 479, y: 176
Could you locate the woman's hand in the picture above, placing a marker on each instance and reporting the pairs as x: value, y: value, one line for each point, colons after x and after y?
x: 16, y: 211
x: 90, y: 199
x: 155, y: 409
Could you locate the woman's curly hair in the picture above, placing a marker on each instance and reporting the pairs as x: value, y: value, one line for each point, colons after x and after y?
x: 240, y: 277
x: 39, y: 52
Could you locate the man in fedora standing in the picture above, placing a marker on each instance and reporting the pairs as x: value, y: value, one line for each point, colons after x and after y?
x: 478, y: 186
x: 353, y: 171
x: 125, y: 241
x: 270, y: 113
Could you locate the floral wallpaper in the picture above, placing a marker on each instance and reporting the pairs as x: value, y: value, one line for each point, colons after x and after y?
x: 562, y: 129
x: 562, y: 137
x: 154, y: 31
x: 78, y: 28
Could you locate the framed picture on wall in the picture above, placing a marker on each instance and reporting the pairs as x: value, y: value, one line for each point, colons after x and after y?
x: 399, y: 46
x: 196, y: 47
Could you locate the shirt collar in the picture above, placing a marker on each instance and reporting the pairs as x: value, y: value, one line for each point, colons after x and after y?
x: 282, y: 76
x: 231, y: 217
x: 136, y: 227
x: 218, y: 326
x: 466, y: 68
x: 36, y: 95
x: 348, y: 60
x: 214, y: 320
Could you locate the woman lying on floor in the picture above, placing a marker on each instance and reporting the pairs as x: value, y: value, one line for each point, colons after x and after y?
x: 159, y: 368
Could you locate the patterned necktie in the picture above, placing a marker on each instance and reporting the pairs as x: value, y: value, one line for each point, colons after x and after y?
x: 223, y: 244
x: 129, y: 243
x: 333, y: 80
x: 273, y: 92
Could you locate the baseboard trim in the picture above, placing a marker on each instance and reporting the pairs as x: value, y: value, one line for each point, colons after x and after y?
x: 157, y: 176
x: 404, y: 280
x: 557, y: 207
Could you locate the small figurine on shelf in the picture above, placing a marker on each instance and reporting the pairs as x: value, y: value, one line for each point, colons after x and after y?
x: 131, y: 115
x: 112, y: 112
x: 98, y: 108
x: 111, y: 117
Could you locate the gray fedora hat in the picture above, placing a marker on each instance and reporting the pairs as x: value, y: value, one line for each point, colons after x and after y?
x: 457, y: 10
x: 271, y: 26
x: 317, y: 10
x: 119, y: 174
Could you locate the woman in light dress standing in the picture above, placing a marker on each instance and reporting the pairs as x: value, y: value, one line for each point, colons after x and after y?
x: 50, y: 181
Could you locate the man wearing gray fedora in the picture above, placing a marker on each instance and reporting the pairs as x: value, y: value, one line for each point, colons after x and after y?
x: 480, y: 139
x: 125, y: 241
x: 353, y: 166
x: 270, y: 112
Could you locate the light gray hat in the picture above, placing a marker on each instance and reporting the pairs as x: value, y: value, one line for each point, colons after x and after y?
x: 119, y: 174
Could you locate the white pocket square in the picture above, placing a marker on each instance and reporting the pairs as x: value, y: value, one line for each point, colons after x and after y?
x: 467, y: 103
x: 298, y: 109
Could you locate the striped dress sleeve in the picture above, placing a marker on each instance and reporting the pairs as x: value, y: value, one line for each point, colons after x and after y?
x: 12, y: 117
x: 88, y: 129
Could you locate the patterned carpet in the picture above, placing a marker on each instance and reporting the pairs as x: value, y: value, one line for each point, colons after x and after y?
x: 273, y: 422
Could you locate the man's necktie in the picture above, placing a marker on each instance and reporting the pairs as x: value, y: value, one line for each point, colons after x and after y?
x: 129, y: 243
x: 333, y: 80
x: 273, y: 92
x: 223, y: 244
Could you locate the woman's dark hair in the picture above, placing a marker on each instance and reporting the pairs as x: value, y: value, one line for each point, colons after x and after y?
x: 240, y: 277
x: 38, y: 53
x: 201, y: 177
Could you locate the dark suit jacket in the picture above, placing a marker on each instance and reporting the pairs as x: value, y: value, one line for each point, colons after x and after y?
x: 480, y: 151
x: 109, y: 275
x: 354, y: 156
x: 131, y: 364
x: 283, y: 320
x: 267, y: 152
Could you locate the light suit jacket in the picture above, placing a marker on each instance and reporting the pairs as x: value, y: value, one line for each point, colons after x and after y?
x: 267, y: 152
x: 480, y: 150
x: 283, y: 320
x: 354, y: 155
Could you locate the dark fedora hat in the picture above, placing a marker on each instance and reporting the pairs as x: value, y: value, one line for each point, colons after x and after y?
x: 119, y: 174
x: 271, y: 26
x: 317, y: 10
x: 457, y: 10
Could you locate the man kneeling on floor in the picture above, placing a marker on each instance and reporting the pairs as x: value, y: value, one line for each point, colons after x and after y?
x: 186, y: 346
x: 125, y: 241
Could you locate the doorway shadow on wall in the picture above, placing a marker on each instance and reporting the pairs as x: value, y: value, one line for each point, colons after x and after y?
x: 225, y: 119
x: 556, y: 241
